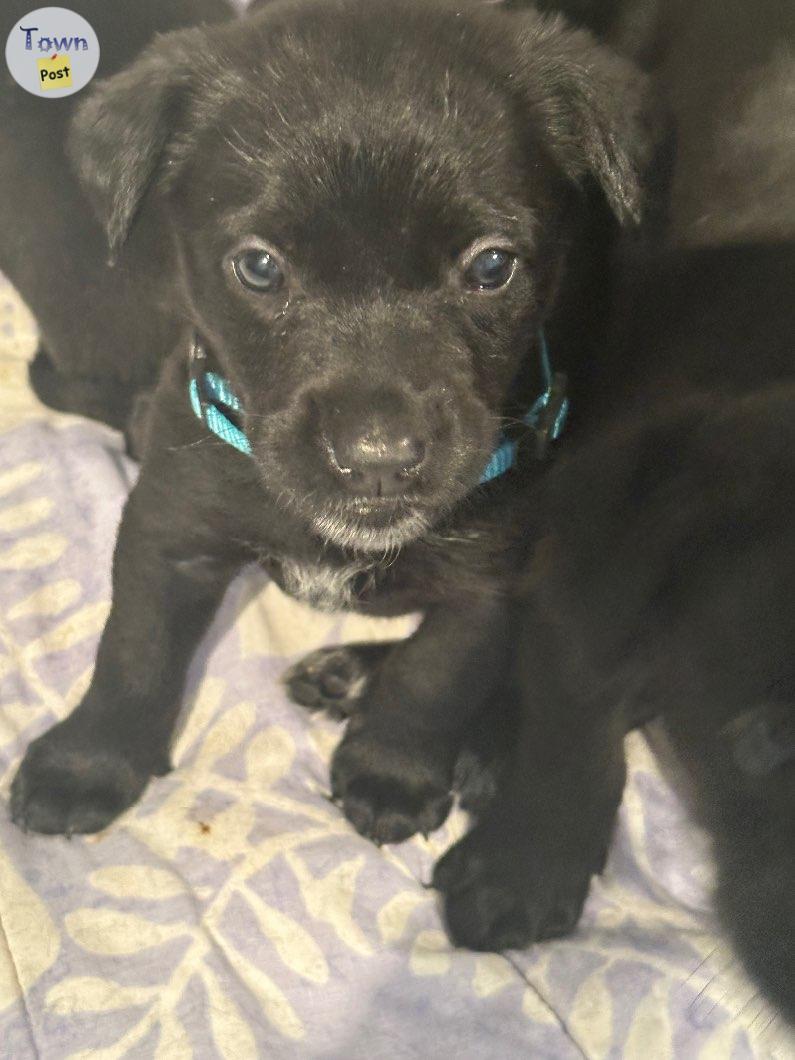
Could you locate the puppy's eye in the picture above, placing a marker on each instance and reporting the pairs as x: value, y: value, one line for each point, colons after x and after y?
x: 491, y: 268
x: 259, y: 270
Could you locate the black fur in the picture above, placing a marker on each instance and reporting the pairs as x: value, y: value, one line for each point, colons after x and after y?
x: 371, y: 142
x: 664, y: 580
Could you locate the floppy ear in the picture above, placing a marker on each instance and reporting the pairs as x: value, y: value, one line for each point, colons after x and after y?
x: 596, y: 107
x: 119, y: 135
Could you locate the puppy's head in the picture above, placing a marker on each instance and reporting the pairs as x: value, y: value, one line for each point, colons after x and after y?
x: 371, y: 201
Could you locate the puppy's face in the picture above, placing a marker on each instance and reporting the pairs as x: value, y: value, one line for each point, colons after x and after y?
x: 367, y: 265
x: 370, y: 216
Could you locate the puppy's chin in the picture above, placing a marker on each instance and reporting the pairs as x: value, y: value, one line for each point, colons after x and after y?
x: 360, y: 528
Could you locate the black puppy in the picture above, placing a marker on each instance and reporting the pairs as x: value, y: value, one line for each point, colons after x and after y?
x: 342, y: 226
x: 664, y: 583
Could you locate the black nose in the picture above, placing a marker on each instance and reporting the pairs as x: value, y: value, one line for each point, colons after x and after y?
x: 377, y: 461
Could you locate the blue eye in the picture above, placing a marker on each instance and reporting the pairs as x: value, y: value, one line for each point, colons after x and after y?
x: 490, y: 269
x: 259, y: 270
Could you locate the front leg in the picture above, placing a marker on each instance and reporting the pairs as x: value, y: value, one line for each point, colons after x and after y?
x: 523, y: 873
x: 393, y: 770
x: 167, y: 584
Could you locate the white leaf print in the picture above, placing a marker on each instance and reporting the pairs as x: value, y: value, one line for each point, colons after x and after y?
x: 590, y: 1019
x: 174, y: 1043
x: 231, y: 1032
x: 76, y: 690
x: 50, y: 599
x: 650, y: 1033
x: 269, y: 757
x: 356, y: 627
x: 15, y: 717
x: 431, y: 953
x: 227, y: 733
x: 110, y: 932
x: 31, y: 552
x: 27, y: 513
x: 7, y: 664
x: 394, y: 915
x: 324, y: 740
x: 18, y: 476
x: 198, y: 715
x: 720, y: 1045
x: 85, y: 993
x: 82, y: 624
x: 330, y: 898
x: 275, y: 1005
x: 536, y: 1008
x: 492, y: 974
x: 30, y: 934
x: 137, y: 881
x: 294, y: 944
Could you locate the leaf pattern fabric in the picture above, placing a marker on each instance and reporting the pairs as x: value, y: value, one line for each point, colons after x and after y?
x: 233, y: 913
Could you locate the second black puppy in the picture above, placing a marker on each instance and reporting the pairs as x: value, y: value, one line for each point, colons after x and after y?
x: 664, y: 583
x: 367, y: 211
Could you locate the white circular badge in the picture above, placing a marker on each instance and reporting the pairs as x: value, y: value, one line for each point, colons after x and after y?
x: 52, y: 52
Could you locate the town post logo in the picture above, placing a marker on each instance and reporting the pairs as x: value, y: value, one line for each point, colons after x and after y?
x: 52, y: 52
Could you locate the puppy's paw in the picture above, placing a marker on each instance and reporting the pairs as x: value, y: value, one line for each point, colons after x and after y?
x: 65, y: 786
x: 501, y: 896
x: 331, y: 679
x: 391, y: 786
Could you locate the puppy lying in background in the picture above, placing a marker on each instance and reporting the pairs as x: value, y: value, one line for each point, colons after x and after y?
x: 353, y: 239
x: 664, y: 578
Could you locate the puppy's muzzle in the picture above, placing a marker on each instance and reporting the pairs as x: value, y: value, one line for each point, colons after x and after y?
x: 373, y: 444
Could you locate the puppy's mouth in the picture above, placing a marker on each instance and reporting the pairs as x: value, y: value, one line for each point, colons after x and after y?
x: 370, y: 524
x: 377, y: 509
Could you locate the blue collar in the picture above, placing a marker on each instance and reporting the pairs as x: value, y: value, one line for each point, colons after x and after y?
x: 211, y: 395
